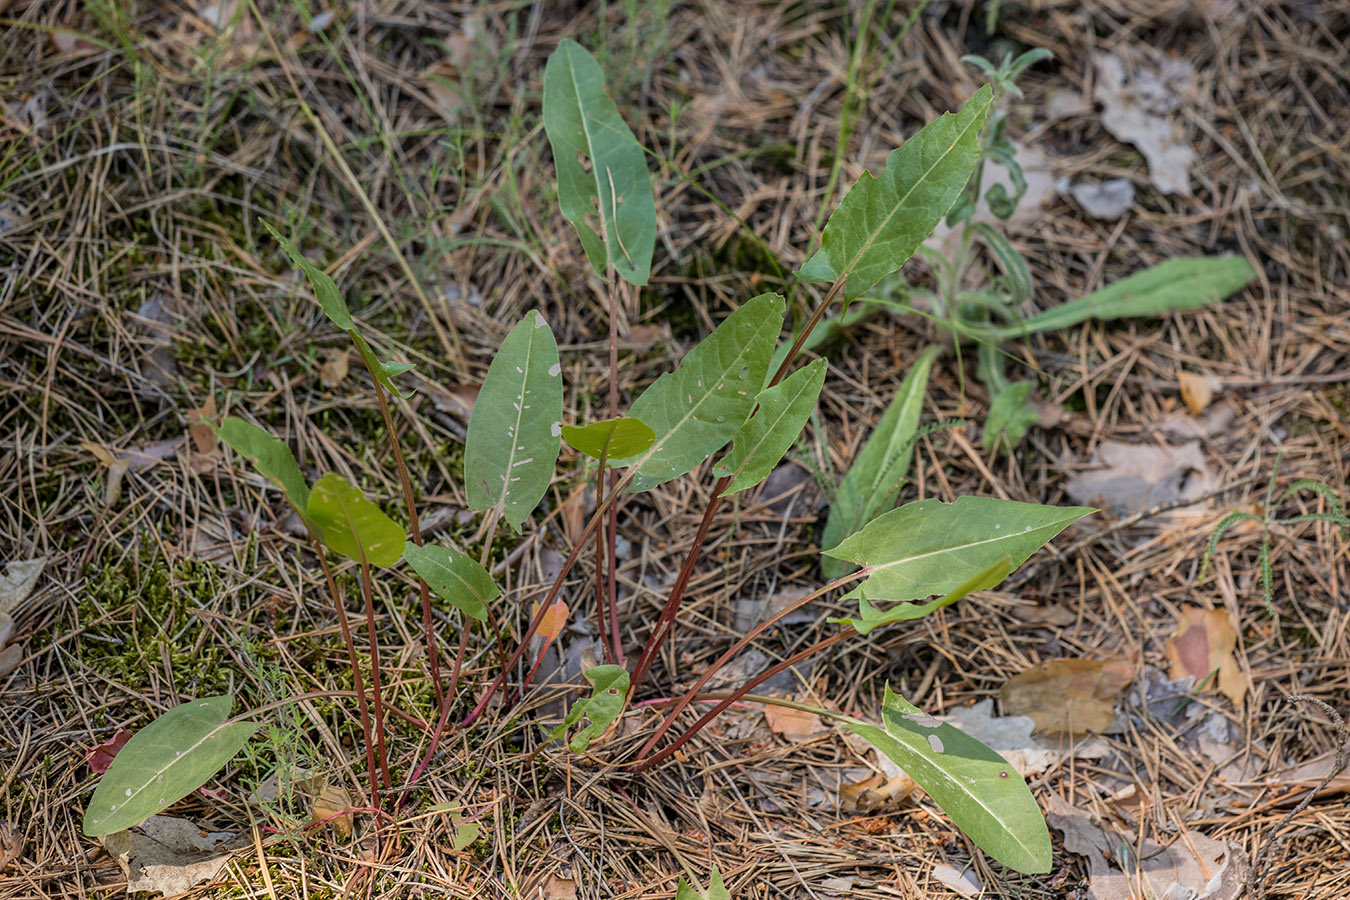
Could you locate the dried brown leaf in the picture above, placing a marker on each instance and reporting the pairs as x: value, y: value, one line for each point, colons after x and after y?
x: 332, y: 805
x: 1068, y: 696
x: 1202, y: 647
x: 795, y: 725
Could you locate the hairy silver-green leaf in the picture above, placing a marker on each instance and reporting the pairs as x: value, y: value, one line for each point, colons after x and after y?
x: 610, y: 438
x: 515, y: 432
x: 164, y: 762
x: 335, y: 308
x: 696, y: 409
x: 761, y: 442
x: 456, y: 578
x: 931, y: 547
x: 717, y: 890
x: 869, y: 617
x: 602, y: 707
x: 882, y: 220
x: 270, y: 455
x: 981, y: 793
x: 1176, y: 284
x: 603, y: 186
x: 351, y: 525
x: 872, y: 484
x: 1010, y: 415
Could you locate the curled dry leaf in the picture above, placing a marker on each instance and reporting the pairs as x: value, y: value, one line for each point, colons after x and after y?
x: 167, y: 855
x: 874, y: 793
x: 100, y: 757
x: 1202, y: 647
x: 333, y: 369
x: 1197, y: 390
x: 332, y: 805
x: 1068, y: 696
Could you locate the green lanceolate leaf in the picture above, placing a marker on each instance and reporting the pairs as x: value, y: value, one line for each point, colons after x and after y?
x: 1010, y: 415
x: 761, y: 442
x: 351, y: 525
x: 602, y: 169
x: 602, y: 707
x: 514, y: 434
x: 164, y: 762
x: 696, y: 409
x: 270, y: 455
x: 976, y: 788
x: 717, y: 890
x: 325, y: 288
x: 873, y: 483
x: 1016, y: 280
x: 869, y: 617
x: 335, y: 308
x: 457, y: 579
x: 612, y: 438
x: 1174, y: 285
x: 882, y: 220
x: 931, y: 547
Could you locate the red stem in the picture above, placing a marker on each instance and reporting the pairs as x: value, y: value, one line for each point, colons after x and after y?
x: 732, y: 651
x: 378, y: 700
x: 611, y: 577
x: 358, y: 681
x: 737, y: 694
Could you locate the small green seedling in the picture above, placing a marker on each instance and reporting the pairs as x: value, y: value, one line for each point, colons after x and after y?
x: 1268, y: 520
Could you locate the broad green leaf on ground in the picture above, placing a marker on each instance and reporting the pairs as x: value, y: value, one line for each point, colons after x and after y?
x: 1010, y: 415
x: 603, y: 186
x: 869, y: 617
x: 456, y: 578
x: 981, y: 793
x: 883, y: 220
x: 335, y: 308
x: 270, y: 455
x: 612, y: 438
x: 515, y: 431
x: 602, y: 707
x: 351, y: 525
x: 930, y: 547
x: 716, y: 889
x: 696, y: 409
x: 1176, y: 284
x: 164, y: 762
x: 761, y: 442
x: 872, y: 484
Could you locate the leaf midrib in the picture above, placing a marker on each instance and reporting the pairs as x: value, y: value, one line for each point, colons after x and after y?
x: 895, y: 210
x: 500, y: 505
x: 957, y: 548
x: 177, y: 759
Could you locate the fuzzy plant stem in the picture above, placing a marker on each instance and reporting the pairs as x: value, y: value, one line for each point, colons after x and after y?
x: 357, y: 680
x: 732, y: 697
x: 414, y: 526
x: 667, y: 619
x: 735, y: 648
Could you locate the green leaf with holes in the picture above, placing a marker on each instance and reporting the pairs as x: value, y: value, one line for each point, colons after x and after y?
x: 696, y: 409
x: 515, y: 431
x: 164, y: 762
x: 883, y: 220
x: 981, y: 793
x: 931, y: 547
x: 775, y: 426
x: 869, y: 617
x: 603, y: 185
x: 873, y: 482
x: 602, y: 707
x: 351, y: 525
x: 456, y: 578
x: 270, y: 456
x: 610, y: 439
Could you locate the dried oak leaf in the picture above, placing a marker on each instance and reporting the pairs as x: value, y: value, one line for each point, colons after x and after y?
x: 1203, y: 647
x: 1068, y: 696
